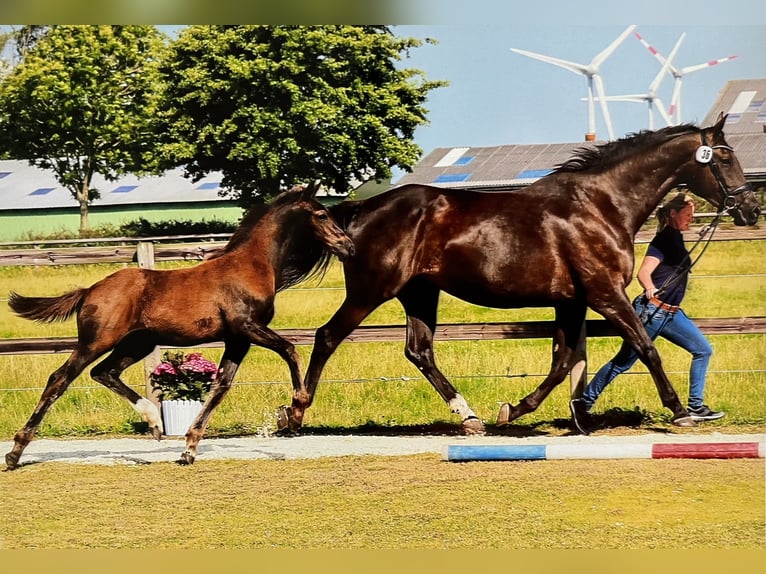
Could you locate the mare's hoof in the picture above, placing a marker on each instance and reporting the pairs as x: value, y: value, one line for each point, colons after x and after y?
x: 472, y: 425
x: 504, y: 416
x: 685, y: 421
x: 186, y: 459
x: 11, y: 461
x: 283, y: 418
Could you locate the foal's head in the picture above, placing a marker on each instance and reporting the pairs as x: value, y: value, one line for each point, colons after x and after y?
x: 306, y: 236
x: 304, y: 212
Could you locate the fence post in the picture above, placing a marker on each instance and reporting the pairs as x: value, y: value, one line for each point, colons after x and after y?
x: 145, y: 258
x: 579, y: 373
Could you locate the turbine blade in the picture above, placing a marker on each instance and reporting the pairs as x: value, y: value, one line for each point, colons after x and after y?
x: 666, y: 66
x: 602, y: 100
x: 689, y: 69
x: 656, y: 53
x: 675, y: 102
x: 663, y: 113
x: 566, y: 64
x: 604, y: 54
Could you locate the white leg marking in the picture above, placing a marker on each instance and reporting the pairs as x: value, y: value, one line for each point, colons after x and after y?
x: 460, y: 407
x: 149, y: 413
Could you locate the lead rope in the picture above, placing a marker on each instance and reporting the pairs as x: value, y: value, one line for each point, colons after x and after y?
x: 681, y: 270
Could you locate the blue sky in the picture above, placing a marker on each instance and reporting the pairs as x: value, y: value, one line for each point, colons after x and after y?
x: 499, y: 97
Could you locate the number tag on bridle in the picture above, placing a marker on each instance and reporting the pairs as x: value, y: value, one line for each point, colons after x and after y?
x: 704, y: 154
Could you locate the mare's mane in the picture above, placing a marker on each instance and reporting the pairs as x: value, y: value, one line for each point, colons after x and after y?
x: 607, y: 154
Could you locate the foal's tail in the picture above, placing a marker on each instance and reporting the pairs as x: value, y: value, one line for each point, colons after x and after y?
x: 47, y: 309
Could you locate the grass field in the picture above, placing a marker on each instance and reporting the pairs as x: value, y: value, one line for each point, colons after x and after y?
x: 373, y: 384
x: 409, y: 502
x: 412, y: 502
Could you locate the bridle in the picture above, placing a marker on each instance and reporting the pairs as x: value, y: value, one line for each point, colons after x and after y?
x: 705, y: 156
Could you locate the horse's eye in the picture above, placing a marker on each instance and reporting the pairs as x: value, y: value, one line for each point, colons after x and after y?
x: 322, y: 216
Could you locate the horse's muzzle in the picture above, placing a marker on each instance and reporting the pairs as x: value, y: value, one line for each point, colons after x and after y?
x: 344, y: 249
x: 746, y: 215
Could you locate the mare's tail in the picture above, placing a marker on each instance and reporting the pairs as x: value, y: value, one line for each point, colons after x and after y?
x: 47, y: 309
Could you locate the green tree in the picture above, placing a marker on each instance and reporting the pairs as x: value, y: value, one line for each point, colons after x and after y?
x: 269, y: 106
x: 82, y: 101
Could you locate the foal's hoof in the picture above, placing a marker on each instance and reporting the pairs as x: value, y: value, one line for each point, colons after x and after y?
x: 186, y: 459
x: 472, y: 425
x: 11, y: 461
x: 156, y: 433
x: 685, y: 421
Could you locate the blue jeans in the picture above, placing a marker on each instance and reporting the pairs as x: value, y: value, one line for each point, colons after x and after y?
x: 676, y: 328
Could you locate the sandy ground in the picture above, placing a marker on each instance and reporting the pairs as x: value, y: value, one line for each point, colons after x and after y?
x: 145, y: 450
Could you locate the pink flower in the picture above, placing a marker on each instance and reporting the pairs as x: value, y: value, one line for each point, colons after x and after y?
x: 164, y: 369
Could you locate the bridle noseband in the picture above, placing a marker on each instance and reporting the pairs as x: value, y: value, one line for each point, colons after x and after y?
x: 704, y: 155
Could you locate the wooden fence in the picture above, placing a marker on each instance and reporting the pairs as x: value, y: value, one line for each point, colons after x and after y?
x: 197, y: 247
x: 146, y: 252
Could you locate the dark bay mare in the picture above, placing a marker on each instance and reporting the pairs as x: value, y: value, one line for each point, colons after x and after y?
x: 228, y: 298
x: 565, y: 241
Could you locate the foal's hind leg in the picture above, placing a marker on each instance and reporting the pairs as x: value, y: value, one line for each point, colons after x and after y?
x: 131, y: 349
x: 232, y: 357
x: 420, y: 301
x: 57, y: 384
x: 569, y: 323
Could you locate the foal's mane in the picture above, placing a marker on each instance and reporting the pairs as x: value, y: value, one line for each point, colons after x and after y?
x: 255, y: 214
x: 609, y: 153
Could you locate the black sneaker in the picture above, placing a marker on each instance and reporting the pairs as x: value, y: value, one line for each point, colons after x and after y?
x: 580, y: 415
x: 704, y: 413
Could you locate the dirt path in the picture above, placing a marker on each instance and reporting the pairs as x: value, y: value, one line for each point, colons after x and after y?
x: 145, y: 450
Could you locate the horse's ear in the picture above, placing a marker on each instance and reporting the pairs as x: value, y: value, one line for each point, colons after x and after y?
x: 310, y: 190
x: 718, y: 127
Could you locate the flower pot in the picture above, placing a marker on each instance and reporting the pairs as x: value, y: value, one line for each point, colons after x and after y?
x: 177, y: 416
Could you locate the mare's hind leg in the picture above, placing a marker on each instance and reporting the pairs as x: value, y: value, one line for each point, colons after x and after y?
x: 628, y: 324
x: 58, y: 382
x: 568, y: 325
x: 232, y: 357
x: 420, y: 300
x: 131, y: 349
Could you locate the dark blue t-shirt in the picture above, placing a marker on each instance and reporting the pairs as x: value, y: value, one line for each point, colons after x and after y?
x: 668, y: 246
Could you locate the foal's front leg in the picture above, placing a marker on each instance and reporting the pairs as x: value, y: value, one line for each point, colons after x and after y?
x: 233, y: 355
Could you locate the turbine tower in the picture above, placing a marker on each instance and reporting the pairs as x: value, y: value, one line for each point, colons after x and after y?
x: 651, y: 97
x: 592, y: 72
x: 678, y: 74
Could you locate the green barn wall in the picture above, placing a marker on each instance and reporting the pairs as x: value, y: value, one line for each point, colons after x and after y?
x: 17, y: 225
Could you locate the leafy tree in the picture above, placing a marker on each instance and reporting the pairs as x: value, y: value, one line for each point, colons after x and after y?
x: 82, y: 101
x: 269, y: 106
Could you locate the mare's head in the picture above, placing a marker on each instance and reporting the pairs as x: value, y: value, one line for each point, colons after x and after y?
x: 715, y: 174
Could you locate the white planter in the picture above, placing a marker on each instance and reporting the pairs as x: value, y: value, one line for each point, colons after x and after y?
x: 177, y: 416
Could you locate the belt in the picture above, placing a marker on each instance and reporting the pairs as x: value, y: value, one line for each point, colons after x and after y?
x: 664, y: 306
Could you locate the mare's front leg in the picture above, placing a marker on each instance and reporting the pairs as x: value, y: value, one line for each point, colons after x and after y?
x: 233, y: 355
x: 569, y: 322
x: 326, y: 340
x: 420, y: 300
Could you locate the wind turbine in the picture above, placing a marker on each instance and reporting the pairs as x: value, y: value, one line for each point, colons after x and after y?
x: 678, y: 74
x: 651, y: 97
x: 591, y: 72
